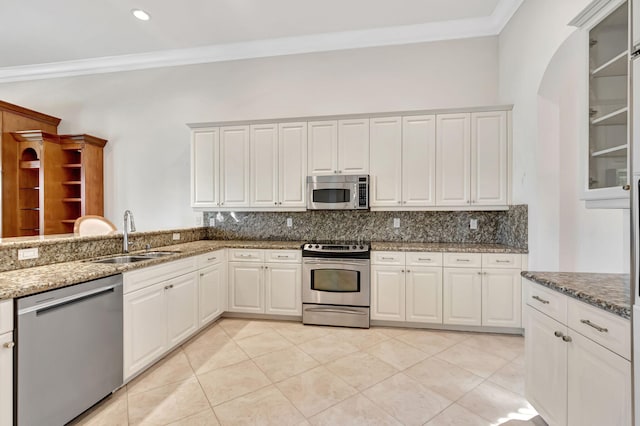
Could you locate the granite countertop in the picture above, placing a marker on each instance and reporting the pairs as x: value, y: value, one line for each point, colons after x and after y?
x: 23, y: 282
x: 609, y: 292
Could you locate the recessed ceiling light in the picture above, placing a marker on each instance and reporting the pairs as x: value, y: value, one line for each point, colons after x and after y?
x: 141, y: 14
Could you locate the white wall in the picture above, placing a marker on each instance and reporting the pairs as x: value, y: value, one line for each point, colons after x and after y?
x: 143, y: 113
x: 541, y: 70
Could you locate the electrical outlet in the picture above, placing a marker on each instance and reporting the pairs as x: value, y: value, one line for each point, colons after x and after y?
x: 289, y: 222
x: 176, y: 236
x: 26, y: 254
x: 199, y: 219
x: 396, y: 222
x: 212, y: 221
x: 473, y: 224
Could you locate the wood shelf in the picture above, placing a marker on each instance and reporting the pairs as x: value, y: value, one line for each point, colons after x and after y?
x: 72, y: 200
x: 72, y: 166
x: 611, y: 152
x: 34, y: 188
x: 68, y: 221
x: 617, y: 66
x: 614, y: 118
x: 72, y: 182
x: 34, y: 164
x: 31, y: 208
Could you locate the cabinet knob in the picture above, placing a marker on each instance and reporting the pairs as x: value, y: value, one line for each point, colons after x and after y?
x: 335, y: 171
x: 626, y: 187
x: 9, y: 345
x: 558, y: 334
x: 567, y: 338
x: 399, y: 202
x: 408, y: 271
x: 275, y: 202
x: 402, y: 271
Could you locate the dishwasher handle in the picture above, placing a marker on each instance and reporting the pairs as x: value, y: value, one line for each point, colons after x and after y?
x: 66, y: 301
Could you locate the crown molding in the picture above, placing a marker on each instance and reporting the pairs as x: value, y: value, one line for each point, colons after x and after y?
x: 491, y: 25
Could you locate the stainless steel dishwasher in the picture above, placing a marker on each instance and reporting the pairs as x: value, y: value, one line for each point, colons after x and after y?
x: 68, y: 350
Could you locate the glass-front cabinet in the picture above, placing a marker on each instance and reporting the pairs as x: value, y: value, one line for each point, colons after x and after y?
x: 606, y: 171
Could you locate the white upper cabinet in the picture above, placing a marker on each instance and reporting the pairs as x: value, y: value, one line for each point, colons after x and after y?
x: 205, y: 152
x: 453, y: 153
x: 635, y: 26
x: 234, y: 166
x: 264, y: 165
x: 419, y: 161
x: 386, y: 162
x: 489, y: 158
x: 292, y: 164
x: 338, y: 147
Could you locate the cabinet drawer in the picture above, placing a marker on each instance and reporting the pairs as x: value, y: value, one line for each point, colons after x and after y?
x: 246, y: 255
x: 547, y: 301
x: 387, y: 258
x: 502, y: 260
x: 285, y: 256
x: 212, y: 258
x: 607, y: 329
x: 6, y: 316
x: 463, y: 260
x: 424, y: 259
x: 141, y: 278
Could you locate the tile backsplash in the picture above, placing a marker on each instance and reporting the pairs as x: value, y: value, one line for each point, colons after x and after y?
x: 507, y: 227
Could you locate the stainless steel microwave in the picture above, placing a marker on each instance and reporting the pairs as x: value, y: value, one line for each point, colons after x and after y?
x: 338, y: 192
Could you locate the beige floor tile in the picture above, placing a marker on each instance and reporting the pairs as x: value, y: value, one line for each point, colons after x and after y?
x: 174, y: 368
x: 111, y: 412
x: 446, y: 379
x: 266, y: 406
x: 361, y: 369
x: 397, y: 353
x: 497, y: 404
x: 263, y: 343
x: 212, y: 336
x: 209, y: 357
x: 327, y: 348
x: 504, y: 346
x: 302, y: 333
x: 429, y: 342
x: 354, y: 411
x: 478, y: 362
x: 390, y: 331
x: 226, y: 383
x: 456, y: 415
x: 510, y: 377
x: 167, y: 403
x: 241, y: 328
x: 360, y: 338
x: 282, y: 364
x: 205, y: 418
x: 519, y: 360
x: 406, y: 399
x: 315, y: 390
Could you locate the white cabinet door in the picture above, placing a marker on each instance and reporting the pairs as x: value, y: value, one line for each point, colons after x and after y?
x: 6, y: 379
x: 635, y: 27
x: 182, y: 307
x: 419, y: 161
x: 501, y: 298
x: 292, y: 164
x: 246, y: 290
x: 546, y: 372
x: 387, y: 293
x: 323, y: 147
x: 424, y: 295
x: 386, y: 162
x: 598, y: 382
x: 453, y: 159
x: 283, y: 287
x: 489, y: 158
x: 212, y: 295
x: 353, y: 146
x: 234, y: 166
x: 462, y: 296
x: 205, y: 149
x: 145, y: 327
x: 264, y: 165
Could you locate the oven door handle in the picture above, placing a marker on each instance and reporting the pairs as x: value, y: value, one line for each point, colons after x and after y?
x: 363, y: 262
x: 336, y: 311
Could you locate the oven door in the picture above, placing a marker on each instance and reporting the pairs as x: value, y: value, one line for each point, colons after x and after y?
x: 336, y: 282
x: 331, y: 196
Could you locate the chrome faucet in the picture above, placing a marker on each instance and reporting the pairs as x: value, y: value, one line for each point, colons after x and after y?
x: 125, y: 232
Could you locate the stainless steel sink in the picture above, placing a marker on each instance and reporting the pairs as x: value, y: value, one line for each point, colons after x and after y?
x: 121, y: 259
x: 154, y: 254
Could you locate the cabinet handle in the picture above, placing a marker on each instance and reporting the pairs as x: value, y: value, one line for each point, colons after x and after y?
x: 540, y: 299
x: 387, y: 258
x: 558, y: 334
x: 244, y: 255
x: 282, y: 257
x: 9, y: 345
x: 503, y: 261
x: 201, y: 274
x: 425, y: 260
x: 567, y: 338
x: 626, y: 187
x: 211, y: 258
x: 597, y: 327
x: 462, y: 260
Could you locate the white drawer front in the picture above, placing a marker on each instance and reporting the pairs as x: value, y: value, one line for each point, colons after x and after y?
x: 141, y: 278
x: 424, y: 259
x: 6, y: 316
x: 607, y: 329
x: 502, y: 260
x: 212, y: 258
x: 246, y: 255
x: 463, y: 260
x: 387, y: 258
x: 284, y: 256
x: 545, y: 300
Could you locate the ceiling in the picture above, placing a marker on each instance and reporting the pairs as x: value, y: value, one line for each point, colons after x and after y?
x: 42, y: 38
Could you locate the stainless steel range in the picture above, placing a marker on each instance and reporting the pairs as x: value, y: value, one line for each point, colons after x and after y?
x: 336, y: 284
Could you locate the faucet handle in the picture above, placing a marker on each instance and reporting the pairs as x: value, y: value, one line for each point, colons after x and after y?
x: 147, y: 247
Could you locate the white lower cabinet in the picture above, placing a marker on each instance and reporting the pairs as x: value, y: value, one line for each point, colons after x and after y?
x: 387, y: 293
x: 212, y: 292
x: 570, y: 379
x: 283, y: 289
x: 462, y: 296
x: 501, y: 298
x: 6, y: 378
x: 424, y: 295
x: 246, y: 288
x: 182, y: 308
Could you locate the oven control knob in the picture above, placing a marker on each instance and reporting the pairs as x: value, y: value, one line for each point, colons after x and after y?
x: 361, y: 247
x: 355, y: 247
x: 317, y: 246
